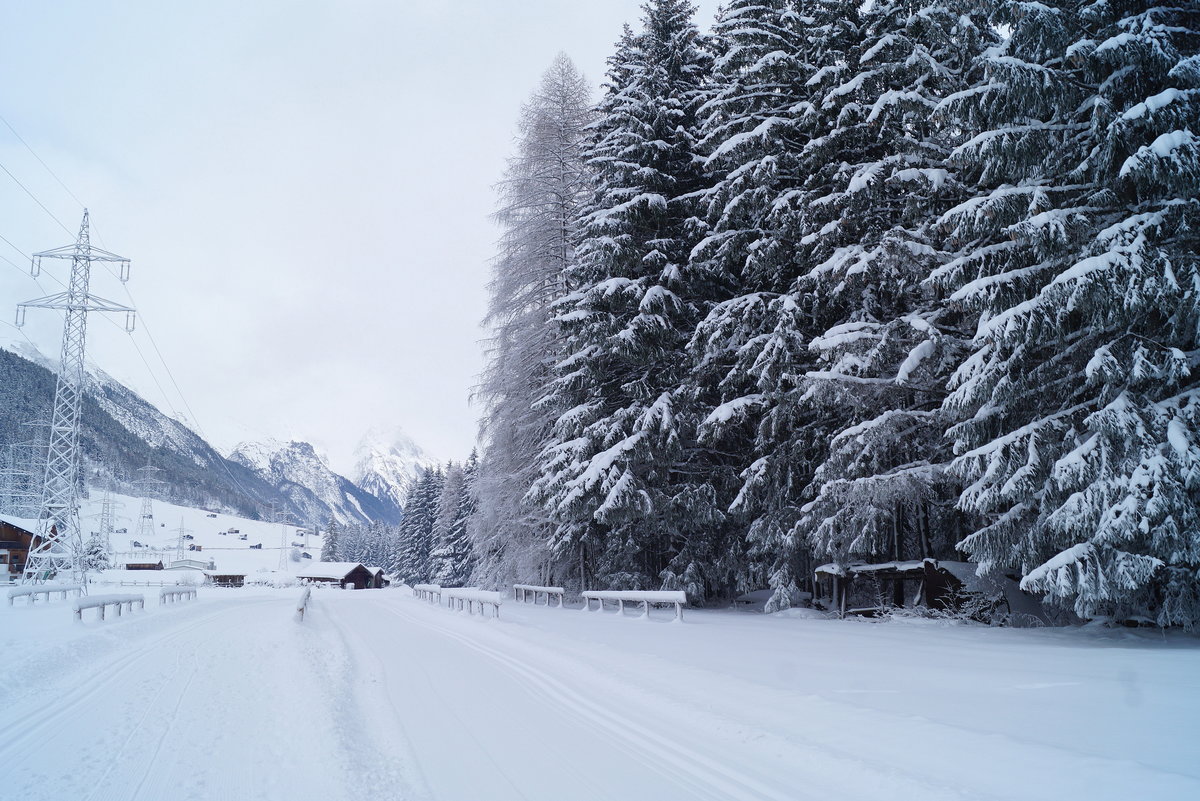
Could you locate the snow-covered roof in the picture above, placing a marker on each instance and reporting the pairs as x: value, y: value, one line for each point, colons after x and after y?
x: 337, y: 570
x: 834, y: 569
x: 29, y: 524
x: 375, y: 571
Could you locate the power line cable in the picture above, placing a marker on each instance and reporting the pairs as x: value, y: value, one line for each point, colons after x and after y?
x: 35, y: 200
x: 44, y: 164
x: 14, y: 247
x: 145, y: 326
x: 13, y: 263
x: 20, y: 331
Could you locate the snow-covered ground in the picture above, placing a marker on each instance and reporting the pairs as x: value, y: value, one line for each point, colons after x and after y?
x: 228, y: 551
x: 378, y: 694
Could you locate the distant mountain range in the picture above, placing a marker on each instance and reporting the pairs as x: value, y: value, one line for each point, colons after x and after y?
x: 122, y: 432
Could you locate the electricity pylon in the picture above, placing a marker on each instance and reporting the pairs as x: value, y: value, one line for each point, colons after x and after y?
x: 146, y: 484
x: 60, y: 541
x: 275, y: 514
x: 182, y: 535
x: 108, y: 519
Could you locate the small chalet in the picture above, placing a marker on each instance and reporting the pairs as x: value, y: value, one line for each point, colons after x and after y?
x: 378, y: 579
x: 347, y: 575
x: 17, y: 536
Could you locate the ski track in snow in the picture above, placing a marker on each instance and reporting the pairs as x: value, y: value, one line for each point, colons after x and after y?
x: 228, y: 697
x: 656, y: 750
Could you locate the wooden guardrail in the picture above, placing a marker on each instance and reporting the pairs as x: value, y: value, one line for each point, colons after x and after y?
x: 428, y: 592
x: 521, y: 592
x: 102, y: 602
x: 302, y: 605
x: 170, y: 596
x: 32, y: 591
x: 665, y: 597
x: 456, y: 597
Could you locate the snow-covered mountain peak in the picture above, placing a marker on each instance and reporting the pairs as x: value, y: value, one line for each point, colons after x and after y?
x: 386, y: 462
x: 302, y: 473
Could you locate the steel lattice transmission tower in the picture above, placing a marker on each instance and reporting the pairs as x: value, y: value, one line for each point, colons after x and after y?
x: 181, y: 534
x: 147, y: 485
x: 60, y: 541
x: 108, y: 519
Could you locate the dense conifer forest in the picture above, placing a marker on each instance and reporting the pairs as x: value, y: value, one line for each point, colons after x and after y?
x: 840, y: 282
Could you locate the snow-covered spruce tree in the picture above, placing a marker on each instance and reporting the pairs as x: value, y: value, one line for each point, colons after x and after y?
x: 352, y: 543
x: 1079, y: 252
x: 441, y: 555
x: 748, y: 128
x: 889, y: 343
x: 330, y: 545
x: 764, y: 131
x: 95, y: 554
x: 452, y: 556
x: 611, y: 479
x: 543, y: 187
x: 414, y: 538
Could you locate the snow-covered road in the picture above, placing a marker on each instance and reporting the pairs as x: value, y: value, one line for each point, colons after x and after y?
x: 379, y: 694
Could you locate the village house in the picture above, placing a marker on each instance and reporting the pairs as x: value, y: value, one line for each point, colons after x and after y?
x: 347, y: 575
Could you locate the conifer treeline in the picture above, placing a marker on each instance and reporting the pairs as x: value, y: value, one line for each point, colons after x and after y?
x: 845, y: 281
x: 430, y: 544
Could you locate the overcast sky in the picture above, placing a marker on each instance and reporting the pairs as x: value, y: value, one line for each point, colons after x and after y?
x: 303, y: 188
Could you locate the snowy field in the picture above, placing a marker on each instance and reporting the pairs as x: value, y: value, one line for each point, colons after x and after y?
x: 376, y: 694
x: 210, y: 533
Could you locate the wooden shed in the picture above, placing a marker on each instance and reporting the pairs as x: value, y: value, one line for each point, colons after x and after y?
x: 222, y: 579
x: 347, y: 575
x: 378, y: 579
x: 866, y: 589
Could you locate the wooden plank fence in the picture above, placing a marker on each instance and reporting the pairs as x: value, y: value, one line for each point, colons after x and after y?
x: 102, y: 602
x: 32, y: 591
x: 170, y: 596
x: 428, y: 592
x: 456, y: 597
x: 522, y: 592
x: 677, y: 598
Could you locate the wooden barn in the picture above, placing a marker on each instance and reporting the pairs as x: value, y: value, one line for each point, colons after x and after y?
x: 347, y: 575
x: 17, y: 537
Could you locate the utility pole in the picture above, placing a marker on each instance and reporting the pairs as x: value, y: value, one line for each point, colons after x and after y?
x: 147, y: 485
x: 60, y: 541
